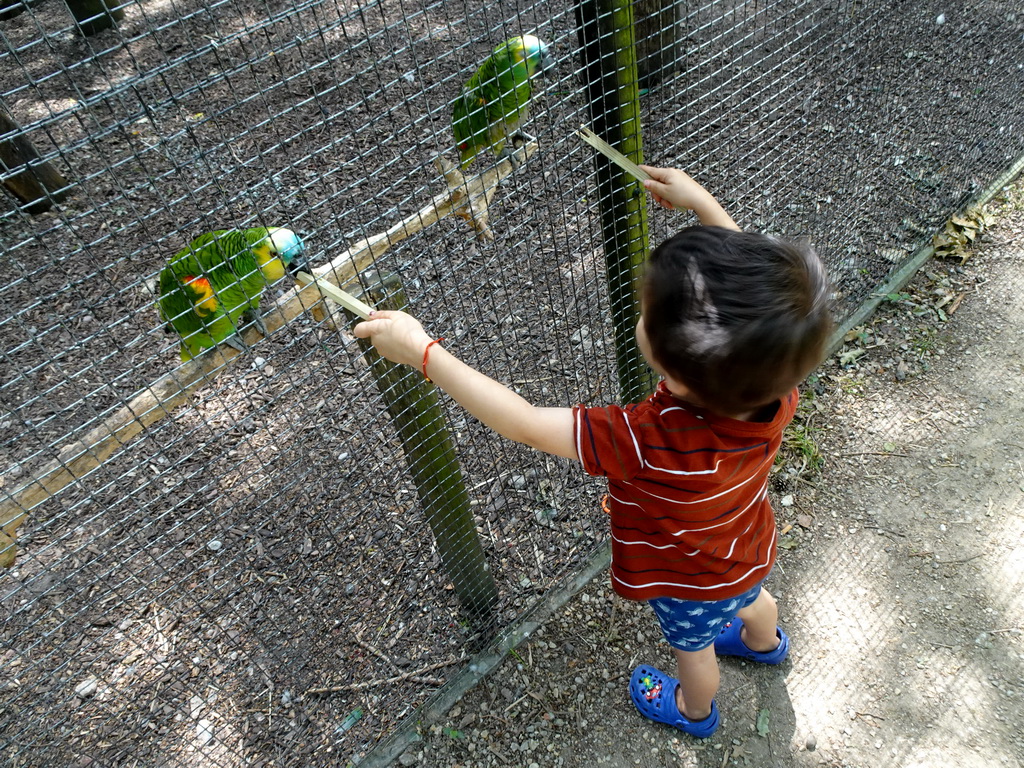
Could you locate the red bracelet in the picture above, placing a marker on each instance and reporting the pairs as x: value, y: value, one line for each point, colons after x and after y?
x: 426, y: 354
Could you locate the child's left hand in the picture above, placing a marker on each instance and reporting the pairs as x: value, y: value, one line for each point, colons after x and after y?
x: 396, y: 335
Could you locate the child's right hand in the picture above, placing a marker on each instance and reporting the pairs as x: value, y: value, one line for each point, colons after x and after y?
x: 673, y: 189
x: 396, y: 335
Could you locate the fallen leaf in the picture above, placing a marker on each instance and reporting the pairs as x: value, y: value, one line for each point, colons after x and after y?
x: 741, y: 752
x: 762, y: 723
x: 847, y: 357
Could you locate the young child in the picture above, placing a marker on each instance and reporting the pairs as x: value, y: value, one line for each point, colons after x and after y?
x: 732, y: 322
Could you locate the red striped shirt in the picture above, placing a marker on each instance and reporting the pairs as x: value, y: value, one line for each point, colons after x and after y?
x: 688, y: 491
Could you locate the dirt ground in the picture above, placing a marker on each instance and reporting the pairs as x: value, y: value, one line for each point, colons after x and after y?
x: 899, y: 578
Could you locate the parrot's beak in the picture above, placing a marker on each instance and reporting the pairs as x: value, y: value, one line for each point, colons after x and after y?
x: 547, y: 66
x: 298, y: 264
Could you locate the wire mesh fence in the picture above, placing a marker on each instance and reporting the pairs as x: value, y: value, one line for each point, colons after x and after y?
x: 254, y: 557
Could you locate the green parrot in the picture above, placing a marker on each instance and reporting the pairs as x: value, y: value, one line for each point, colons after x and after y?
x: 496, y: 100
x: 220, y: 276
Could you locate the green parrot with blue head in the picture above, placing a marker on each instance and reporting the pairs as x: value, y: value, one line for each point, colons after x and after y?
x: 495, y: 101
x: 208, y: 286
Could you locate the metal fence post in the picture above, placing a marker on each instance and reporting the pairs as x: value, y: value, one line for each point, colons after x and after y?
x: 415, y: 410
x: 607, y: 42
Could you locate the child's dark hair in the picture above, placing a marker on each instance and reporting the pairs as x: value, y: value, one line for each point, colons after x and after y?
x: 738, y: 318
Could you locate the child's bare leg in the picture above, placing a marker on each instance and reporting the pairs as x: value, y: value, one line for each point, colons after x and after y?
x: 698, y: 682
x: 760, y: 620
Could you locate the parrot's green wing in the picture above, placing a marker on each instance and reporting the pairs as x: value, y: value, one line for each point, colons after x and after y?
x: 496, y: 99
x: 207, y: 286
x: 179, y: 305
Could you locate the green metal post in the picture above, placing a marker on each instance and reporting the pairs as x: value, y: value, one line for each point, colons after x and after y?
x: 415, y: 409
x: 607, y: 42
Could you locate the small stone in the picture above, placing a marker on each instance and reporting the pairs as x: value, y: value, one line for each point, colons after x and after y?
x: 407, y: 758
x: 787, y: 500
x: 811, y: 743
x: 204, y: 732
x: 214, y: 545
x: 87, y: 688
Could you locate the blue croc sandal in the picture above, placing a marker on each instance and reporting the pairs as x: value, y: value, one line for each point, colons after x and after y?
x: 729, y: 643
x: 654, y: 694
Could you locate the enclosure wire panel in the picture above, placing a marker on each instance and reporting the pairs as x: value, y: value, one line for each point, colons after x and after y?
x: 274, y: 552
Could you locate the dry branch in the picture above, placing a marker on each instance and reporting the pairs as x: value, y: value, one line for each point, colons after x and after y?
x: 35, y: 182
x: 467, y: 198
x: 415, y: 674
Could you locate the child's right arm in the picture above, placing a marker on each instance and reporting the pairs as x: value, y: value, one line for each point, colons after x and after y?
x: 672, y: 188
x: 401, y: 339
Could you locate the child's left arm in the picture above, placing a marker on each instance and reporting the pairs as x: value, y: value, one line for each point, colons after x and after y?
x: 401, y: 339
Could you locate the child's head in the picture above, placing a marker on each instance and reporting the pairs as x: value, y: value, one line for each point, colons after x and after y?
x: 738, y: 318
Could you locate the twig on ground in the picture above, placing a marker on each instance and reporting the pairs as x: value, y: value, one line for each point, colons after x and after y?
x: 963, y: 560
x: 520, y: 382
x: 869, y: 714
x: 872, y: 453
x: 416, y: 676
x: 500, y: 755
x: 372, y: 649
x: 524, y: 696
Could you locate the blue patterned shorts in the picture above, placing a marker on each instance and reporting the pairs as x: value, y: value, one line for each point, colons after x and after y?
x: 692, y: 625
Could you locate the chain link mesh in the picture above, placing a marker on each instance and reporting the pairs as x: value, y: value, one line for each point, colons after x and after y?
x: 251, y: 578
